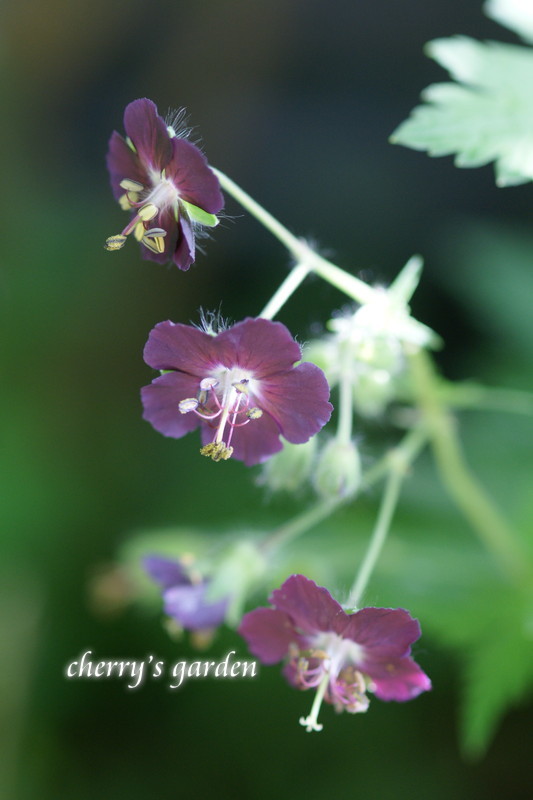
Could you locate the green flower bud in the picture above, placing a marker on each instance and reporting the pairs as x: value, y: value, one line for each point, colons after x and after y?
x: 338, y: 473
x: 289, y: 469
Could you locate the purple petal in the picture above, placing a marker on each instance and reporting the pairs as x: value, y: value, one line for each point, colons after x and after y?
x: 399, y: 680
x: 258, y: 345
x: 184, y: 252
x: 254, y: 442
x: 188, y: 605
x: 173, y: 345
x: 161, y: 404
x: 165, y: 571
x: 196, y: 182
x: 148, y: 133
x: 385, y: 633
x: 122, y: 163
x: 310, y: 607
x: 268, y: 633
x: 298, y: 401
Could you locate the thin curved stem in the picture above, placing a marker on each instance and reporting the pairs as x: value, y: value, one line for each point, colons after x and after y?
x: 463, y: 487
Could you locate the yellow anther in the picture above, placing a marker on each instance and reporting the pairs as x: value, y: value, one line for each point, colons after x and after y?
x: 254, y: 413
x: 241, y: 386
x: 153, y: 232
x: 124, y: 202
x: 115, y: 242
x: 189, y: 404
x: 156, y: 244
x: 148, y: 212
x: 217, y: 451
x: 138, y: 231
x: 131, y: 186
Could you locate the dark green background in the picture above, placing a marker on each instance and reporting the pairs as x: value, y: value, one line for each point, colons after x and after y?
x: 295, y: 100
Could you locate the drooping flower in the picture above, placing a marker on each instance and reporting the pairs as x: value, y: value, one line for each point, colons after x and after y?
x: 185, y: 594
x: 240, y: 386
x: 340, y: 654
x: 165, y: 181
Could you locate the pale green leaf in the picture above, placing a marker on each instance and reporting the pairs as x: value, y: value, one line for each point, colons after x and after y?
x: 486, y: 116
x: 514, y: 14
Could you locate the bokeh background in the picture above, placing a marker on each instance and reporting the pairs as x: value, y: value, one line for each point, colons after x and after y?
x: 295, y: 99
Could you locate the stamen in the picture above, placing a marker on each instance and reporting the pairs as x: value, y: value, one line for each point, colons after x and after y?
x: 217, y: 451
x: 241, y: 386
x: 208, y: 383
x: 131, y: 186
x: 156, y: 244
x: 138, y: 231
x: 148, y: 212
x: 254, y: 413
x: 125, y: 202
x: 115, y: 242
x: 189, y: 404
x: 155, y: 232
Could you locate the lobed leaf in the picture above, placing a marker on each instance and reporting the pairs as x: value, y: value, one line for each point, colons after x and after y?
x: 486, y: 116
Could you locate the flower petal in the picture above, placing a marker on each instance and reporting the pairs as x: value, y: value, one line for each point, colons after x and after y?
x: 310, y: 607
x: 385, y: 633
x: 258, y: 345
x: 298, y: 401
x: 254, y: 442
x: 188, y: 605
x: 268, y: 633
x: 122, y: 163
x: 161, y: 404
x: 165, y: 571
x: 196, y: 182
x: 399, y: 680
x: 172, y: 345
x: 184, y: 252
x: 148, y: 133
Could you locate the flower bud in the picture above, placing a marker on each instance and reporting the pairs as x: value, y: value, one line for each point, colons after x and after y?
x: 289, y: 469
x: 339, y: 470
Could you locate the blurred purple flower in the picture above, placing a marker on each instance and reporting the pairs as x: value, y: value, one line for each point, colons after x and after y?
x: 240, y: 386
x: 343, y: 655
x: 167, y: 184
x: 184, y: 594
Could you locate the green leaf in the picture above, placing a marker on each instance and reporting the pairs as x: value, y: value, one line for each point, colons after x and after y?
x: 199, y: 215
x: 499, y: 673
x: 514, y: 14
x: 486, y: 116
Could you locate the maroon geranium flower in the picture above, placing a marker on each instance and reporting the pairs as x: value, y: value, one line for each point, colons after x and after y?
x: 185, y: 594
x: 166, y: 183
x: 342, y: 655
x: 240, y: 386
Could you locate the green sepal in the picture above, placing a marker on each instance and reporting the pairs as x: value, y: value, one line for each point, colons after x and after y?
x: 197, y: 214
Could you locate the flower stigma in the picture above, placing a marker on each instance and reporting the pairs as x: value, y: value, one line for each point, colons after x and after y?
x: 224, y: 397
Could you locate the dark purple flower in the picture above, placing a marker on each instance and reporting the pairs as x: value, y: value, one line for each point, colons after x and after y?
x: 240, y: 386
x: 343, y: 655
x: 167, y: 184
x: 185, y: 594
